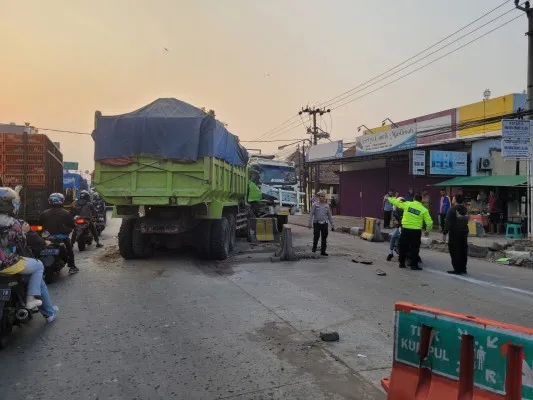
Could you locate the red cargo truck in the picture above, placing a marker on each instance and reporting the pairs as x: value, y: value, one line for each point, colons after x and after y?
x: 32, y: 162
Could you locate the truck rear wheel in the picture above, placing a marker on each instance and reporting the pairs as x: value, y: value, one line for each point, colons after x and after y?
x: 220, y: 239
x: 140, y: 244
x: 125, y: 236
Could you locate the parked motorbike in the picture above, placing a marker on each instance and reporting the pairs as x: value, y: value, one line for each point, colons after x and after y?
x: 54, y: 257
x: 13, y: 311
x: 83, y: 233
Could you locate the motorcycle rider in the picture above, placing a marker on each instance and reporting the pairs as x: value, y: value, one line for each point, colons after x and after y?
x: 85, y: 209
x: 58, y: 221
x: 99, y: 204
x: 15, y: 257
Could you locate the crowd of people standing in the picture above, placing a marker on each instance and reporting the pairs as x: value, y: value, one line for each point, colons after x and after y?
x: 410, y: 217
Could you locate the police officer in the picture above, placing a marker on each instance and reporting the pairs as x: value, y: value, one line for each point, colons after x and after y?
x: 414, y: 217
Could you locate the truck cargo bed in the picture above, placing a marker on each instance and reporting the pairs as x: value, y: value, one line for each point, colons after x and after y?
x: 150, y: 181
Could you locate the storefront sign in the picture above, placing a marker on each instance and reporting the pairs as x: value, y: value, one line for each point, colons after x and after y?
x: 448, y: 163
x: 516, y: 129
x: 326, y: 151
x: 515, y: 149
x: 419, y: 162
x: 401, y: 138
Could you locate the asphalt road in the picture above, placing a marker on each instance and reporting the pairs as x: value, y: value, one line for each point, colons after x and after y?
x: 177, y: 327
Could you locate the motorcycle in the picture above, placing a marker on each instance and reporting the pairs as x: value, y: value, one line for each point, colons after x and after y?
x: 83, y: 233
x: 54, y: 257
x: 101, y: 219
x: 13, y: 311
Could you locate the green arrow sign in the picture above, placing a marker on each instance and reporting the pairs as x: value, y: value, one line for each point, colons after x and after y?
x: 70, y: 165
x: 490, y: 361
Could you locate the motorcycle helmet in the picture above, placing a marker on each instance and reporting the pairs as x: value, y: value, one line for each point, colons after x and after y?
x: 85, y: 196
x: 9, y: 201
x: 56, y: 199
x: 96, y: 196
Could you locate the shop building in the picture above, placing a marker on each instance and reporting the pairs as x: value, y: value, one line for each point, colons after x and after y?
x: 426, y: 152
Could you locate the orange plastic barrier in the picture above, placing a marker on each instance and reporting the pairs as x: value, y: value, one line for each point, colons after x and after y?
x: 440, y: 355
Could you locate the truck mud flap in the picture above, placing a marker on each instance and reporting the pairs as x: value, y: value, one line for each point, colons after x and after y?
x: 263, y: 230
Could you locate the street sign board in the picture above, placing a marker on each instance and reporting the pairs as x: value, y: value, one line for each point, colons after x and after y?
x: 490, y: 348
x: 70, y: 165
x: 515, y: 149
x: 419, y: 162
x: 516, y: 129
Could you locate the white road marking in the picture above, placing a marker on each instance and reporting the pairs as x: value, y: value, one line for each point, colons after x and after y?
x: 483, y: 283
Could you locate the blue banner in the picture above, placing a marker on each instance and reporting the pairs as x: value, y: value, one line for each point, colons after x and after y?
x: 448, y: 163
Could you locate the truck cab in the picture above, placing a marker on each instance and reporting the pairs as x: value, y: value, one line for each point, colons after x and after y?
x: 279, y: 187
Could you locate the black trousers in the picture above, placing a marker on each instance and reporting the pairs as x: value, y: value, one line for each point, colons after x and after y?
x: 410, y: 244
x: 442, y: 221
x: 458, y: 246
x: 387, y: 216
x: 70, y: 252
x: 320, y: 231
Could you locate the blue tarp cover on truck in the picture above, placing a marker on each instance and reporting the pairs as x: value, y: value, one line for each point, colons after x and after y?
x: 74, y: 181
x: 168, y: 129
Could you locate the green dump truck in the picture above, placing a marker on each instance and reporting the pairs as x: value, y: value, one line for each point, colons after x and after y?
x: 175, y: 176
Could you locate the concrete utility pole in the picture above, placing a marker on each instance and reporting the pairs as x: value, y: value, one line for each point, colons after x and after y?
x: 316, y: 135
x: 529, y: 104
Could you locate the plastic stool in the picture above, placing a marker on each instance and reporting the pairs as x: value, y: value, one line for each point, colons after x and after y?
x: 513, y: 231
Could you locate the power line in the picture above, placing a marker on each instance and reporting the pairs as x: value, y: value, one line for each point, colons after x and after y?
x: 426, y: 65
x: 63, y: 131
x: 421, y: 52
x: 269, y: 141
x: 281, y: 128
x: 354, y: 91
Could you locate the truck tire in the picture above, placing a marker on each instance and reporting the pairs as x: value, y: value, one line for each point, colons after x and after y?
x: 141, y: 246
x: 204, y: 239
x: 282, y: 220
x: 125, y: 236
x: 220, y: 239
x: 232, y: 231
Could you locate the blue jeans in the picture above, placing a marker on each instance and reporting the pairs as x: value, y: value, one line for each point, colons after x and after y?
x: 393, y: 239
x: 36, y: 286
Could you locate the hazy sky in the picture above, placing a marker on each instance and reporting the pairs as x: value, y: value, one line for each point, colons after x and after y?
x: 255, y: 62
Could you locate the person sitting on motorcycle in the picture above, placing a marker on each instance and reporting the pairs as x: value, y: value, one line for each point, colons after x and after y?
x: 15, y: 258
x: 99, y: 205
x: 85, y: 209
x: 58, y: 221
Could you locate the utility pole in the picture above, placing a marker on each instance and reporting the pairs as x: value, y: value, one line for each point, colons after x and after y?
x: 529, y: 105
x: 316, y: 135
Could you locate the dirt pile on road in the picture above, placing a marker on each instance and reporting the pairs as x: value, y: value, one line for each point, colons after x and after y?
x: 109, y: 255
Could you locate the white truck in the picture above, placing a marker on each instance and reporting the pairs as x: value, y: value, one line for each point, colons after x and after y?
x: 279, y: 186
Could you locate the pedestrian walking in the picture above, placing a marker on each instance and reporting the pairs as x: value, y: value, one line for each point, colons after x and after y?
x: 444, y: 206
x: 387, y: 209
x: 456, y: 226
x: 319, y: 217
x: 414, y: 216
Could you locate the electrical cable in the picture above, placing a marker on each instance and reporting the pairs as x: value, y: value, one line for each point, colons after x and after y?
x: 427, y: 64
x: 282, y: 125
